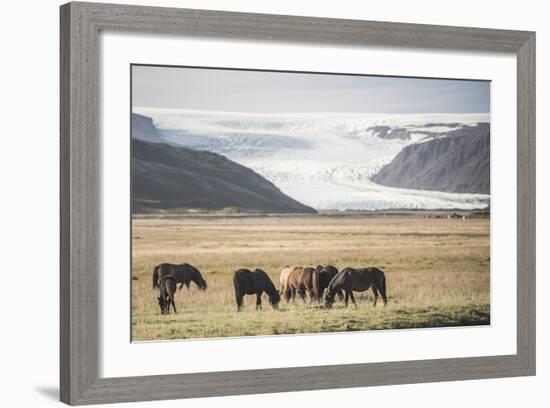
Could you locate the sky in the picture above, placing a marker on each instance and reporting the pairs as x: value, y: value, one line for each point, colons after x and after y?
x: 277, y: 92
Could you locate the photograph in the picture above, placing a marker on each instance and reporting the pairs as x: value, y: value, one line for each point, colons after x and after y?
x: 282, y: 203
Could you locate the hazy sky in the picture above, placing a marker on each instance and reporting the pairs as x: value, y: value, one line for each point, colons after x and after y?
x: 264, y: 92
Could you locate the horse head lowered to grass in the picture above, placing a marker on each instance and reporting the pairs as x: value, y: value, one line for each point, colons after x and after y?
x: 247, y: 282
x: 183, y: 274
x: 351, y: 280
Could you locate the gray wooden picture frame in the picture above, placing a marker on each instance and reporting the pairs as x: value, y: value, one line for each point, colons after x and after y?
x: 81, y: 24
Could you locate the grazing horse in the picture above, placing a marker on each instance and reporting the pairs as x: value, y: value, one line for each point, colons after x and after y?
x: 326, y: 274
x: 167, y: 289
x: 283, y: 279
x: 302, y: 280
x: 358, y: 280
x: 247, y: 282
x: 182, y: 273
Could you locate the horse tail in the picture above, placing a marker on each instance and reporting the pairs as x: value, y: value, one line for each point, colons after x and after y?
x: 167, y: 291
x: 383, y: 287
x: 156, y: 277
x: 236, y: 282
x: 238, y: 294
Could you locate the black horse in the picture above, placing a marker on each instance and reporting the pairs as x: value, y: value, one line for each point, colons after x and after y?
x: 358, y: 280
x: 326, y: 274
x: 184, y: 274
x: 167, y: 288
x: 247, y: 282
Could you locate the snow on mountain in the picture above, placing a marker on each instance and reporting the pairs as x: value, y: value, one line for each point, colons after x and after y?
x: 324, y: 160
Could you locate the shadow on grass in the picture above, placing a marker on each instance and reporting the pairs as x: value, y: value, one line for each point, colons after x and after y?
x: 430, y: 317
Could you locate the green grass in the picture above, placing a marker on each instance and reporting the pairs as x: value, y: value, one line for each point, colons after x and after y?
x: 292, y: 319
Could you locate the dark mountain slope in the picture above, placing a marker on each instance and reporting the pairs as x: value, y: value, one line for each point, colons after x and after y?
x: 144, y: 129
x: 169, y: 178
x: 457, y: 163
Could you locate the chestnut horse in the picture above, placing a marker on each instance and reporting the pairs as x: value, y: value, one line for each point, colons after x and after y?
x: 302, y: 280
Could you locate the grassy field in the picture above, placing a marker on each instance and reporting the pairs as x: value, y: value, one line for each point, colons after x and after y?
x: 437, y: 272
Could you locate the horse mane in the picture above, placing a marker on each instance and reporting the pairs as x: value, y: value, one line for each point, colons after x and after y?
x: 262, y: 272
x: 335, y: 284
x: 269, y: 285
x: 197, y: 277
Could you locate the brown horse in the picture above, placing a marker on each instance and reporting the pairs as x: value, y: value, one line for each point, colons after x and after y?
x: 247, y: 282
x: 184, y: 274
x: 302, y: 280
x: 167, y: 289
x: 358, y: 280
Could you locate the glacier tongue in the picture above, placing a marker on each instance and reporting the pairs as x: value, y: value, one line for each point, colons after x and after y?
x: 324, y: 160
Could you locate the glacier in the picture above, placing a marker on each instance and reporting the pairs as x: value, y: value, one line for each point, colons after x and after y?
x: 323, y: 160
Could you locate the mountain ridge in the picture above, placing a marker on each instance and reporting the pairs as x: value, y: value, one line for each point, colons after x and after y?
x: 170, y: 178
x: 459, y: 162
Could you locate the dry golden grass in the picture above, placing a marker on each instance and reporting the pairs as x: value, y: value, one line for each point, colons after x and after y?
x: 437, y: 272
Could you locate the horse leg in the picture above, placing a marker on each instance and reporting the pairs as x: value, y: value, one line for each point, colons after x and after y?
x: 173, y: 303
x: 346, y: 298
x: 315, y: 295
x: 258, y: 300
x: 311, y: 296
x: 352, y: 298
x: 302, y: 294
x: 375, y: 291
x: 288, y: 294
x: 239, y: 300
x: 181, y: 285
x: 187, y: 284
x: 383, y: 293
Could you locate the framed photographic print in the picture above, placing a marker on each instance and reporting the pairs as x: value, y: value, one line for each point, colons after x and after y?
x: 293, y: 197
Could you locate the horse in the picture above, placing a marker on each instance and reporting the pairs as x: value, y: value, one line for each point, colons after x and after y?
x: 284, y: 278
x: 303, y: 280
x: 326, y: 274
x: 167, y: 288
x: 182, y: 273
x: 247, y: 282
x: 358, y: 280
